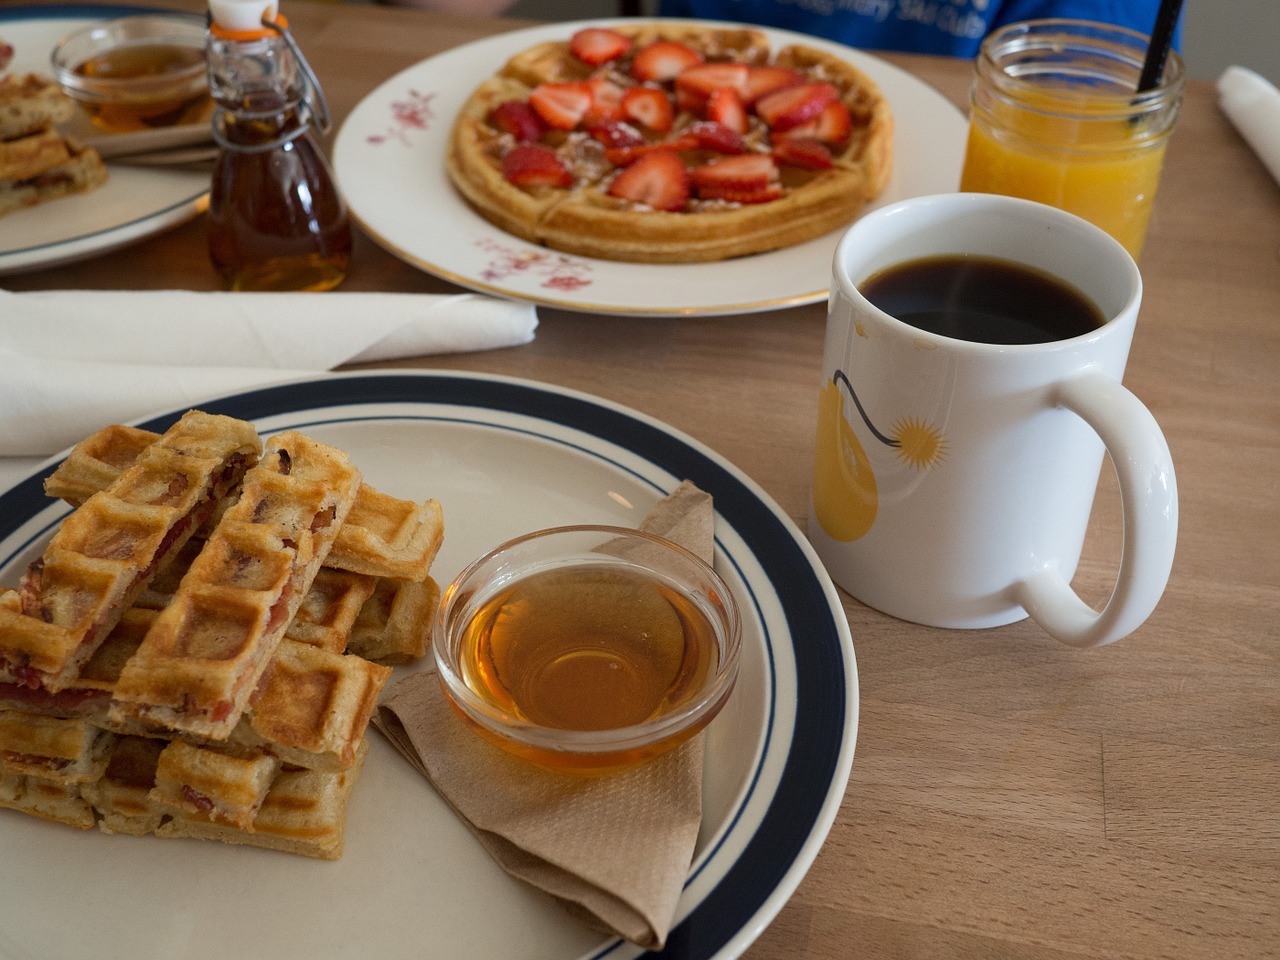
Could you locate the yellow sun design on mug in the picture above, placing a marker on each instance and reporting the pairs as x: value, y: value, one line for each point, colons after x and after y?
x: 845, y: 493
x: 920, y: 444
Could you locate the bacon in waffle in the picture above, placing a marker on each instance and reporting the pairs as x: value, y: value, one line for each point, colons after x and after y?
x: 67, y: 750
x: 224, y: 787
x: 394, y: 625
x: 89, y: 697
x: 106, y: 551
x: 383, y: 536
x: 312, y: 707
x: 670, y: 142
x: 203, y: 656
x: 304, y: 812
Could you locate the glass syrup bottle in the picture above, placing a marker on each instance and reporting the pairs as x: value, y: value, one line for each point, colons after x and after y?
x: 276, y: 218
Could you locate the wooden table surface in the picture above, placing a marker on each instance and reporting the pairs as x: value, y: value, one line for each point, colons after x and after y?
x: 1009, y: 797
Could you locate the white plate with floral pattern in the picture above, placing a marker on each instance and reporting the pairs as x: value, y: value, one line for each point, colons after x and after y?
x: 389, y: 160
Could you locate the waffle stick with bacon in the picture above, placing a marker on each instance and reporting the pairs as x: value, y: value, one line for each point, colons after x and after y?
x: 376, y: 619
x: 146, y: 790
x: 38, y: 163
x: 289, y: 793
x: 203, y: 656
x: 107, y: 551
x: 281, y: 776
x: 280, y: 781
x: 383, y: 536
x: 311, y: 708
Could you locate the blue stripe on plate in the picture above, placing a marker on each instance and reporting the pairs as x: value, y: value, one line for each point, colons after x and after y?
x: 813, y: 755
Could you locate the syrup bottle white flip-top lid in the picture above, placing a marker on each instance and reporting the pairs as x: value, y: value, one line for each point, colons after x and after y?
x: 243, y: 15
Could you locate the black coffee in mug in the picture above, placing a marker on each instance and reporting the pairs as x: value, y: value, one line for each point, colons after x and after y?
x: 982, y: 299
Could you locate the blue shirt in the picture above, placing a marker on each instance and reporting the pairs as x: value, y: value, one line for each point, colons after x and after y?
x: 948, y: 27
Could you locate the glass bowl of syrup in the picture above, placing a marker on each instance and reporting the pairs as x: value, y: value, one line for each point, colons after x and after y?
x: 136, y: 73
x: 587, y: 649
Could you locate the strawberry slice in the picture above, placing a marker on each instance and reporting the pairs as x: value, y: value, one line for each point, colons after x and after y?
x: 606, y: 101
x: 597, y: 45
x: 623, y: 156
x: 762, y: 80
x: 535, y: 165
x: 725, y: 107
x: 793, y: 106
x: 657, y: 179
x: 662, y: 60
x: 616, y: 134
x: 649, y: 107
x: 562, y: 105
x: 803, y: 152
x: 832, y: 126
x: 696, y: 84
x: 518, y: 119
x: 749, y: 178
x: 716, y: 136
x: 771, y: 191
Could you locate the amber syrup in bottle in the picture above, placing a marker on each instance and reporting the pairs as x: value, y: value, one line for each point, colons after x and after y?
x: 276, y: 219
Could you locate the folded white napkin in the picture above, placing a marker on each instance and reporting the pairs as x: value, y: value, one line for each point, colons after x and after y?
x: 73, y: 361
x: 1252, y: 103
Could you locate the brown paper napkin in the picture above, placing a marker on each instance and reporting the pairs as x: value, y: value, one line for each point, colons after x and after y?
x: 614, y: 850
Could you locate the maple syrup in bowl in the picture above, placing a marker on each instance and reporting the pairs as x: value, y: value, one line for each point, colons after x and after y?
x: 587, y: 649
x: 136, y: 73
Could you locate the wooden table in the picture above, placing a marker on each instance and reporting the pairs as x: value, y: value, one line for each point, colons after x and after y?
x: 1009, y: 797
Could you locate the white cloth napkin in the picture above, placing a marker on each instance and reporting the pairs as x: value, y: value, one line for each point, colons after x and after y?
x: 1252, y: 103
x: 76, y: 360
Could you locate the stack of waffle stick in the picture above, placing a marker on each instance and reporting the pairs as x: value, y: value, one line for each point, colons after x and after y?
x: 37, y: 163
x: 199, y: 649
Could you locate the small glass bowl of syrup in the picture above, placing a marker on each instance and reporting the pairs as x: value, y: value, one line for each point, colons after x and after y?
x: 588, y: 649
x: 136, y: 73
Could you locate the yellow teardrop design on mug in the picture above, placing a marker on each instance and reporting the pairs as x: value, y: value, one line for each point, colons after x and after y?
x: 844, y: 488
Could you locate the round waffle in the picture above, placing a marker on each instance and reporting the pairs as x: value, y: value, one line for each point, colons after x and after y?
x: 790, y: 175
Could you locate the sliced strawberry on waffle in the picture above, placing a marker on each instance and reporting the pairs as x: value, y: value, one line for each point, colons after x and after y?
x: 616, y: 134
x: 624, y: 156
x: 749, y: 178
x: 832, y: 126
x: 598, y: 45
x: 765, y: 79
x: 803, y: 152
x: 792, y: 106
x: 606, y: 101
x: 662, y: 60
x: 711, y: 135
x: 658, y: 180
x: 695, y: 85
x: 725, y: 107
x: 535, y: 165
x: 650, y: 107
x: 519, y: 119
x: 562, y: 105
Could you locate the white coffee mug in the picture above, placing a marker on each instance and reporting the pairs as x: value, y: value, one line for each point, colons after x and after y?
x: 953, y: 480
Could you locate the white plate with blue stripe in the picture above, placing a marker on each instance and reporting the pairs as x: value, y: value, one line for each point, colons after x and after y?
x: 504, y: 457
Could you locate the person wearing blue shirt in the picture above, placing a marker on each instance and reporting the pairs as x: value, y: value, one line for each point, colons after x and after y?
x: 947, y: 27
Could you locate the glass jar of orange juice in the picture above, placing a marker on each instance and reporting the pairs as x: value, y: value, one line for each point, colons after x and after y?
x: 1056, y: 116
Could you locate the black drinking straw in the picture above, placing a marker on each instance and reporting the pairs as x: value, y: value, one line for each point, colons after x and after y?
x: 1161, y: 42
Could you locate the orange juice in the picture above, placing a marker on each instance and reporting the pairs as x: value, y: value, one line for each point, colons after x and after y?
x: 1055, y: 117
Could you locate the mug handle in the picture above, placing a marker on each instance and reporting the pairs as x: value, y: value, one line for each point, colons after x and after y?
x: 1149, y: 497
